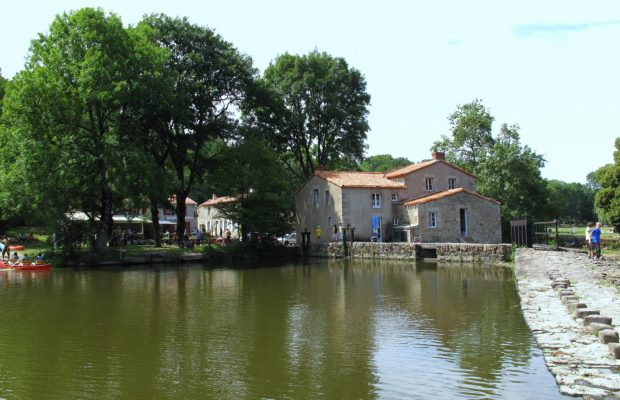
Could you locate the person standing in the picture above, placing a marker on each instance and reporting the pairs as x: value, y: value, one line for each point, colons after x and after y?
x: 318, y: 233
x: 596, y: 241
x: 5, y: 248
x: 589, y: 229
x: 335, y: 233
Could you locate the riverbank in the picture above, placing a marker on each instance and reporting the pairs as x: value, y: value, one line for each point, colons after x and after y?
x: 577, y: 357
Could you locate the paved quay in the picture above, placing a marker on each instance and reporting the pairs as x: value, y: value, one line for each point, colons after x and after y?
x: 574, y: 352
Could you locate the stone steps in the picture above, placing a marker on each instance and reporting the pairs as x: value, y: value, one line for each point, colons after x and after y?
x: 599, y: 325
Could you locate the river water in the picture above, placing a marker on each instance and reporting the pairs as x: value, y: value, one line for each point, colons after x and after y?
x: 320, y: 330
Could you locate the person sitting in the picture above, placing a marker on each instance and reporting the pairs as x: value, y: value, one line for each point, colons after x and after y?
x: 14, y: 259
x: 39, y: 259
x: 25, y: 260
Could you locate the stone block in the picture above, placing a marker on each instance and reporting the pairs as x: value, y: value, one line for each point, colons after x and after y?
x: 596, y: 327
x: 559, y: 285
x: 596, y: 319
x: 567, y: 299
x: 614, y: 349
x: 566, y: 292
x: 608, y: 336
x: 574, y: 305
x: 584, y: 312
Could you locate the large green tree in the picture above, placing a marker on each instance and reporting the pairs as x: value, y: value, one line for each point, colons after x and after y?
x: 608, y: 196
x: 252, y: 173
x: 3, y: 83
x: 317, y: 111
x: 194, y: 104
x: 570, y: 202
x: 61, y: 113
x: 471, y: 137
x: 507, y: 170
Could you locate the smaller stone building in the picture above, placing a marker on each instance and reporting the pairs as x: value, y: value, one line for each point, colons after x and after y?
x: 456, y: 215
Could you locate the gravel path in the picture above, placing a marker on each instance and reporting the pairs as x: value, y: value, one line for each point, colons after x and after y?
x: 582, y: 365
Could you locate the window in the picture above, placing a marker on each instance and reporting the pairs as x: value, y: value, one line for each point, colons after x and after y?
x: 395, y: 221
x: 429, y: 184
x: 376, y: 200
x: 432, y: 219
x: 451, y: 183
x: 316, y: 197
x: 326, y: 197
x: 463, y: 218
x: 208, y: 210
x: 394, y: 196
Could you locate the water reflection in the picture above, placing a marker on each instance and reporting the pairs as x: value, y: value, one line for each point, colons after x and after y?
x: 325, y: 329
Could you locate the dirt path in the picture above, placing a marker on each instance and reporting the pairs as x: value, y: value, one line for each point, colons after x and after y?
x: 581, y: 363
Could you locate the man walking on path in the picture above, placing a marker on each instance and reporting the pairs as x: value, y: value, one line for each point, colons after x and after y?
x: 596, y: 241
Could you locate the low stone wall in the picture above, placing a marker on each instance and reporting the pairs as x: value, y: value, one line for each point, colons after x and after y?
x: 473, y: 252
x: 446, y: 252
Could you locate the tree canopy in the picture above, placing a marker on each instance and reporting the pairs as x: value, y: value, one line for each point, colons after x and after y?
x: 61, y: 113
x: 507, y: 170
x: 315, y: 109
x: 193, y: 103
x: 383, y: 163
x: 471, y: 135
x: 608, y: 197
x: 251, y: 172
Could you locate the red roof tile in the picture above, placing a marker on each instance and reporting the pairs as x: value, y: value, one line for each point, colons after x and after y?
x: 359, y: 179
x: 218, y: 200
x: 188, y: 201
x: 424, y: 164
x: 446, y: 193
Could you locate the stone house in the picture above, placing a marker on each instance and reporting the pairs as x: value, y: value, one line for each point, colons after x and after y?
x: 210, y: 221
x: 431, y: 201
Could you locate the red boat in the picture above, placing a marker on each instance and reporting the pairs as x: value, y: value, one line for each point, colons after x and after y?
x: 20, y: 267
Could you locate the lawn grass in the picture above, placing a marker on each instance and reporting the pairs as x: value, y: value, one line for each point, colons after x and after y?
x: 43, y: 244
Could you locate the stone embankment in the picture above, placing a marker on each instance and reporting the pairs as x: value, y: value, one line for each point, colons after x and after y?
x: 572, y: 306
x: 443, y: 252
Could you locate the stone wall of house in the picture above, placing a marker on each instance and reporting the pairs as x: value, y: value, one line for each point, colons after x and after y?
x: 483, y: 219
x: 446, y: 252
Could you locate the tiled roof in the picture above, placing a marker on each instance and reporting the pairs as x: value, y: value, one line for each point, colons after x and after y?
x: 188, y: 201
x: 359, y: 179
x: 218, y: 200
x: 447, y: 193
x: 416, y: 167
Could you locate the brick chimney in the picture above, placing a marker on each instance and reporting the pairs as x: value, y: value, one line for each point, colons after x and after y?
x: 439, y: 155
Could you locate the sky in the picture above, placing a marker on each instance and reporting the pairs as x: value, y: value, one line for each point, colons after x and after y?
x: 549, y: 66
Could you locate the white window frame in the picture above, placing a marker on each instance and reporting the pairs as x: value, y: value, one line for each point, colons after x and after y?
x: 394, y: 196
x: 375, y: 200
x: 327, y: 197
x: 451, y: 183
x: 429, y: 184
x: 432, y: 219
x: 395, y: 221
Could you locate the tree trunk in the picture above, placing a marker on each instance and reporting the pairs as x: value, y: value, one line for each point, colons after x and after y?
x: 155, y: 219
x: 181, y: 211
x: 105, y: 224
